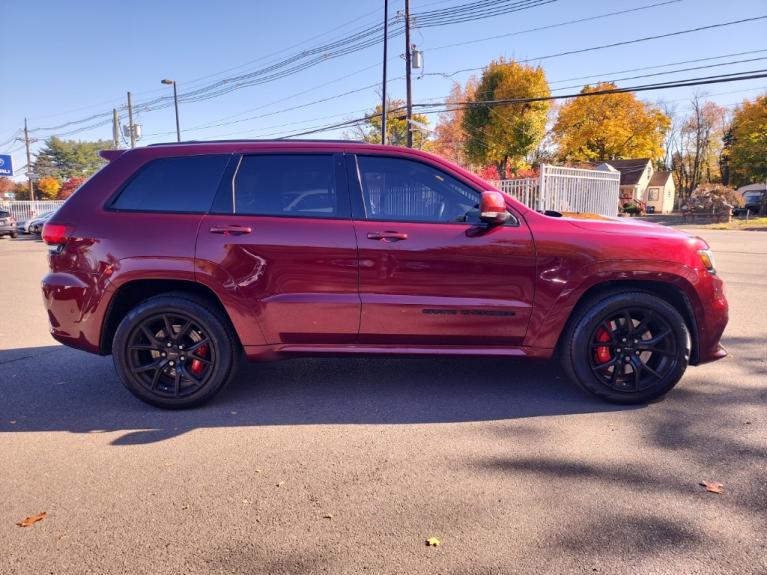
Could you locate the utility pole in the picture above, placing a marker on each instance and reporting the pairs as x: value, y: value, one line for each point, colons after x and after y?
x: 131, y: 127
x: 115, y: 129
x: 383, y: 86
x: 29, y: 162
x: 409, y: 116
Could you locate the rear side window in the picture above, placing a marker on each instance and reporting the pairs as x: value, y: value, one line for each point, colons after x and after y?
x: 182, y: 184
x: 298, y: 185
x: 5, y: 214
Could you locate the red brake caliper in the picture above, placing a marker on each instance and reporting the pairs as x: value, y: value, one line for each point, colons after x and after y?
x: 197, y: 365
x: 603, y: 352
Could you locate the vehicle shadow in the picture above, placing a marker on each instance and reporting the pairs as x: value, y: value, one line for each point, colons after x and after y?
x: 55, y: 388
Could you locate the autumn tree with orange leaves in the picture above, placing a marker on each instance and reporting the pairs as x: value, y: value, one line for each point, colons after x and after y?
x: 609, y: 127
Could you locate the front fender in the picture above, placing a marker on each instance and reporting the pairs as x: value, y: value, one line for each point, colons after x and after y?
x: 556, y: 297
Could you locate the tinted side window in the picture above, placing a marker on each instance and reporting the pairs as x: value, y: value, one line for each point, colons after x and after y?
x: 4, y: 214
x: 406, y: 190
x: 181, y: 184
x: 299, y: 185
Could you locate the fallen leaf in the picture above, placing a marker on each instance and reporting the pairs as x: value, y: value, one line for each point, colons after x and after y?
x: 31, y: 520
x: 258, y: 471
x: 280, y: 484
x: 712, y: 487
x: 328, y: 516
x: 433, y: 542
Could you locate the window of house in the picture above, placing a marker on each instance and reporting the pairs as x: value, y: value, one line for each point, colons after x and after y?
x: 299, y: 185
x: 179, y: 184
x: 653, y: 195
x: 405, y: 190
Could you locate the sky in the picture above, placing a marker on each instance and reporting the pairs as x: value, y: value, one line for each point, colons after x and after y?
x: 66, y: 61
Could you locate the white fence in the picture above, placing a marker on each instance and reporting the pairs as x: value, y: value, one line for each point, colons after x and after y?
x: 567, y: 190
x: 25, y: 210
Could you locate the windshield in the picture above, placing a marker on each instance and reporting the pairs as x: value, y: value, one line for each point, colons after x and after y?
x: 752, y: 197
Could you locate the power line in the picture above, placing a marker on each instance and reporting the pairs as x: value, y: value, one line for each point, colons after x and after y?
x: 674, y: 71
x: 99, y: 120
x: 354, y: 42
x: 622, y: 43
x: 658, y: 66
x: 453, y: 106
x: 550, y: 26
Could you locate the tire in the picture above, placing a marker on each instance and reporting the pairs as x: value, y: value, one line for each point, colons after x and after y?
x: 161, y: 370
x: 14, y: 235
x: 653, y: 351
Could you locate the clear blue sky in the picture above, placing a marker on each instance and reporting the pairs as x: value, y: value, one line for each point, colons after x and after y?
x: 69, y: 60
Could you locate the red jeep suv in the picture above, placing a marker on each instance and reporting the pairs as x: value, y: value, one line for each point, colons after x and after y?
x: 178, y: 258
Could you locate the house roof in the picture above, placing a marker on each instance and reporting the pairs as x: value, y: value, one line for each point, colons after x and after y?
x: 631, y: 170
x: 659, y: 179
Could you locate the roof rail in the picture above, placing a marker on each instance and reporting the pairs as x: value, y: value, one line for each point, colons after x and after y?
x: 257, y: 141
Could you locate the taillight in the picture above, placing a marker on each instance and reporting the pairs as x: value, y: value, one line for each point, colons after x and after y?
x: 56, y: 234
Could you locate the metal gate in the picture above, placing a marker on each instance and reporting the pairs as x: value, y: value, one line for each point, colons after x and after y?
x: 567, y: 190
x: 24, y: 210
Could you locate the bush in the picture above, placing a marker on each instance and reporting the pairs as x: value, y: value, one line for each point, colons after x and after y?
x: 631, y: 208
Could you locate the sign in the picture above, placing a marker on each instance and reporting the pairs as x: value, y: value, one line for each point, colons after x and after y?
x: 6, y: 166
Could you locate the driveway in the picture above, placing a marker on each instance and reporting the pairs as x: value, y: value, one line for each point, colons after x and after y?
x: 347, y: 466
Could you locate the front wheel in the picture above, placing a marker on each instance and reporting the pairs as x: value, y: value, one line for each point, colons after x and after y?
x: 629, y: 347
x: 175, y: 351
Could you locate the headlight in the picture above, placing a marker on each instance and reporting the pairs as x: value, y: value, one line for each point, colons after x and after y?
x: 707, y: 257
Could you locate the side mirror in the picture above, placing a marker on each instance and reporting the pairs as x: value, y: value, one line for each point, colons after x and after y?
x: 492, y: 208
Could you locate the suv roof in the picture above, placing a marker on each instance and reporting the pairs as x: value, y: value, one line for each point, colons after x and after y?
x: 258, y: 141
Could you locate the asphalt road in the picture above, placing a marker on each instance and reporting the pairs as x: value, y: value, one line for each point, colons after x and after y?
x: 347, y: 466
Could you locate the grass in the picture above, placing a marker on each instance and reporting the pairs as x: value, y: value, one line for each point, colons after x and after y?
x: 738, y: 224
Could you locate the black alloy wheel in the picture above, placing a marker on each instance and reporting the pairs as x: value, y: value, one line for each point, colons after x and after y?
x: 175, y: 351
x: 171, y: 355
x: 627, y: 347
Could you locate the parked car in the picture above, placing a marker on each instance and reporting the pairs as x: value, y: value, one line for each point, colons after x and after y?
x: 178, y: 258
x: 752, y: 204
x: 7, y: 224
x: 35, y: 225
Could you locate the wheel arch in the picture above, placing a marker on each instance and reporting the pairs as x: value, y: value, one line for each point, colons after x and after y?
x: 128, y: 295
x: 669, y: 292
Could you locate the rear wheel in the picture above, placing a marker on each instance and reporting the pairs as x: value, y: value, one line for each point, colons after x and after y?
x: 175, y: 351
x: 14, y: 235
x: 629, y: 347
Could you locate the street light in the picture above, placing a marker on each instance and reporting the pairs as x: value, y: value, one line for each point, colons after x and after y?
x: 175, y: 103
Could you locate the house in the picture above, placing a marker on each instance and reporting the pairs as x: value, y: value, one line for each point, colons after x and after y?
x: 640, y: 183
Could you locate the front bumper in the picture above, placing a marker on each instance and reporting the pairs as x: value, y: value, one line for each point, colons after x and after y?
x: 712, y: 315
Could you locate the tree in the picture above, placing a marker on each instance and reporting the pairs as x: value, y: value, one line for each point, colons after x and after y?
x: 48, y: 187
x: 504, y: 134
x: 449, y: 135
x: 64, y: 159
x: 7, y: 185
x: 747, y: 150
x: 69, y: 187
x: 396, y: 126
x: 698, y: 146
x: 609, y: 127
